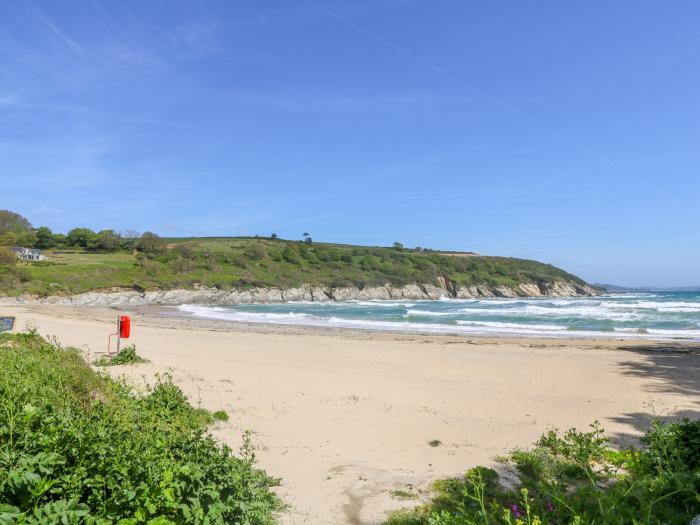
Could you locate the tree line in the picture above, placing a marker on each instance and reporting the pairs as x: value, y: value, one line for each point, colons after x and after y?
x: 16, y: 230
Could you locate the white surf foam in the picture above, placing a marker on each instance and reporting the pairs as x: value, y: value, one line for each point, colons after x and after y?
x: 474, y: 327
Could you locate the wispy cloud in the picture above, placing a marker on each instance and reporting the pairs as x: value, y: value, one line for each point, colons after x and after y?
x: 60, y: 34
x: 532, y: 119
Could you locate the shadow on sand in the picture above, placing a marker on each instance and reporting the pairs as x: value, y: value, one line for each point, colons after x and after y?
x: 672, y: 368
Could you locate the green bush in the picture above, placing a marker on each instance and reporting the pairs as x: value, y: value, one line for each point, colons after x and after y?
x: 76, y: 447
x: 126, y: 356
x: 220, y: 415
x: 673, y: 447
x: 574, y: 478
x: 7, y: 257
x: 256, y: 251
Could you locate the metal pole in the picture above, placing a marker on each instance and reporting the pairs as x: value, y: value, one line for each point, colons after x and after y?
x: 119, y: 333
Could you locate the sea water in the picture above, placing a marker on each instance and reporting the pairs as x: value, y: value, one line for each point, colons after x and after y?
x: 635, y: 315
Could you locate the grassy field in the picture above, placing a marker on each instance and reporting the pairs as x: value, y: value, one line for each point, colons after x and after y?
x: 228, y: 263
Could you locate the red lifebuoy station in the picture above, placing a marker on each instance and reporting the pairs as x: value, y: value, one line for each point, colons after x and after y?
x: 124, y: 326
x: 123, y: 332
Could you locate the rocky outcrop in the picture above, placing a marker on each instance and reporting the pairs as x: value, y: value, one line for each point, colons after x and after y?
x: 204, y: 295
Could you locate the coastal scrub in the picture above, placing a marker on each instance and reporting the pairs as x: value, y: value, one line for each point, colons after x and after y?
x: 126, y: 356
x: 574, y: 478
x: 245, y: 263
x: 78, y: 447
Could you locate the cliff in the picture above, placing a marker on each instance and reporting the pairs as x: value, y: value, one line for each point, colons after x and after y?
x: 205, y: 295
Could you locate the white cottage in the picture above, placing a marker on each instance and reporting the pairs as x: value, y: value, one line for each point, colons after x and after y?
x: 28, y: 254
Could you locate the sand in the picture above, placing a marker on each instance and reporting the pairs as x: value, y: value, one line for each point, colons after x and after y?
x: 345, y: 418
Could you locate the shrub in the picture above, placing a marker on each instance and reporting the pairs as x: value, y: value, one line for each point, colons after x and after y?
x: 673, y: 447
x: 76, y: 447
x: 256, y: 251
x: 126, y: 356
x: 182, y: 265
x: 186, y: 252
x: 151, y: 268
x: 151, y: 244
x: 291, y: 256
x: 7, y: 257
x: 220, y: 415
x: 574, y: 478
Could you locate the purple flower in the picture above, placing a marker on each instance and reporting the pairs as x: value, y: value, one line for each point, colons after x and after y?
x: 516, y: 511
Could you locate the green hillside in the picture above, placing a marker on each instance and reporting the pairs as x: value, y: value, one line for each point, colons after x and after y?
x: 228, y: 263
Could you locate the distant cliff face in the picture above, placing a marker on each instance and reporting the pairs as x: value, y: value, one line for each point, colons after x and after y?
x: 205, y: 295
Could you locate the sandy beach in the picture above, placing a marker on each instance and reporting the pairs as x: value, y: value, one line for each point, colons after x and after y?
x: 346, y: 417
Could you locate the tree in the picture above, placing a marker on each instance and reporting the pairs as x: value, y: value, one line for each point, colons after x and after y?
x: 273, y: 236
x: 8, y: 239
x: 151, y: 244
x: 398, y: 246
x: 59, y: 239
x: 105, y: 241
x: 26, y: 238
x: 307, y: 238
x: 13, y: 222
x: 129, y: 239
x: 7, y: 257
x: 80, y: 237
x: 44, y: 238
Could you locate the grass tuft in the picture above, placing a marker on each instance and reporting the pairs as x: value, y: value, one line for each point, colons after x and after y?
x: 126, y: 356
x: 220, y: 415
x: 403, y: 494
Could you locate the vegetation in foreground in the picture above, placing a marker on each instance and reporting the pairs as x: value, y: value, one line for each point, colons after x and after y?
x: 126, y: 356
x: 575, y: 479
x: 78, y: 447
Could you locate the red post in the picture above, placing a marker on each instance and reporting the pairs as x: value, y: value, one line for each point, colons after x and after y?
x: 123, y: 331
x: 124, y: 326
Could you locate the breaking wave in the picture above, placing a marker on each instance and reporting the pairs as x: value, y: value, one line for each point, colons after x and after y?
x: 657, y: 316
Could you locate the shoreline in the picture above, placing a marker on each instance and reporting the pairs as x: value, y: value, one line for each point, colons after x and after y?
x: 344, y: 417
x: 170, y: 318
x: 305, y: 308
x: 442, y: 330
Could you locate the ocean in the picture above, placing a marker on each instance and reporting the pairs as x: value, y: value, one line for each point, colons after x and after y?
x: 662, y: 315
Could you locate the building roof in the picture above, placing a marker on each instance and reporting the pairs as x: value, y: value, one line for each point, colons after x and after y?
x: 22, y: 249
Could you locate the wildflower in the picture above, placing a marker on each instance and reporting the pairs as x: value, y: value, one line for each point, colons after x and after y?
x: 517, y: 512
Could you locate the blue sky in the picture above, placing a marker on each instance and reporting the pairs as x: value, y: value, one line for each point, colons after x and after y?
x: 566, y: 132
